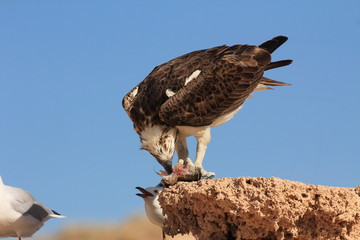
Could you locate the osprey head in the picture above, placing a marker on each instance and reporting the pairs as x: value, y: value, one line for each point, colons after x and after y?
x: 159, y: 141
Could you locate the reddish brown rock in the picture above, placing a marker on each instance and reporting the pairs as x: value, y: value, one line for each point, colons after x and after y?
x: 261, y: 208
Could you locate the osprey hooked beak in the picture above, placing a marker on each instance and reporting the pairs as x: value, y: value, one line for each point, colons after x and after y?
x: 144, y: 194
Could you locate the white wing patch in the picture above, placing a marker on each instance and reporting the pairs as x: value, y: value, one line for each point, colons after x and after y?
x: 169, y: 93
x: 194, y: 75
x: 129, y: 99
x: 134, y: 92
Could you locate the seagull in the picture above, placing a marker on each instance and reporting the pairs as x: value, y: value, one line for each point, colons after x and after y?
x: 20, y: 214
x: 152, y: 206
x: 190, y: 94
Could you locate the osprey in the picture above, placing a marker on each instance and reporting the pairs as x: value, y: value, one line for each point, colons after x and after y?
x: 189, y: 95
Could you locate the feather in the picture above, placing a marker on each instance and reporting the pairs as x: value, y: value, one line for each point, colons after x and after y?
x: 273, y: 44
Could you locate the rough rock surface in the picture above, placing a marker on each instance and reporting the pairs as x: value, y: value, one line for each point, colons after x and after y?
x: 261, y: 208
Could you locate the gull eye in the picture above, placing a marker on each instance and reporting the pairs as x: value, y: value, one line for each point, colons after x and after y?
x: 156, y: 191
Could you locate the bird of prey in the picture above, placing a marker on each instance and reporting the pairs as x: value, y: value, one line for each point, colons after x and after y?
x: 20, y: 214
x: 152, y: 207
x: 189, y: 95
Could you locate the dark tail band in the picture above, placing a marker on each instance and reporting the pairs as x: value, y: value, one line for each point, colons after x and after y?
x: 273, y: 44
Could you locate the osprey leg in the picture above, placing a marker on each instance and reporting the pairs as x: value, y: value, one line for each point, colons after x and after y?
x: 202, y: 138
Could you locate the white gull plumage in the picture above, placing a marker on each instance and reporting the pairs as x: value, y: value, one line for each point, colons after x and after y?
x: 21, y: 215
x: 152, y: 206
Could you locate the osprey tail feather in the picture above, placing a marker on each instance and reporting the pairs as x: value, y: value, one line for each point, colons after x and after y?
x: 273, y: 44
x: 266, y: 82
x: 278, y: 64
x: 269, y: 82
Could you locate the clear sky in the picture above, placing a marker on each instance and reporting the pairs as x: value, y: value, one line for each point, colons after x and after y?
x: 66, y: 65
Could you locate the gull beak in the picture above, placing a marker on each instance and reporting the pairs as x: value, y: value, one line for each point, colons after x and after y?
x: 144, y: 194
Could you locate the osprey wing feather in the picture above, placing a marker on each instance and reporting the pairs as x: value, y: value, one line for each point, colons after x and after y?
x: 222, y: 86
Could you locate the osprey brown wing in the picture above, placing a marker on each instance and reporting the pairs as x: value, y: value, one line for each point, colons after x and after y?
x: 222, y: 86
x: 224, y: 83
x: 143, y: 102
x: 198, y: 87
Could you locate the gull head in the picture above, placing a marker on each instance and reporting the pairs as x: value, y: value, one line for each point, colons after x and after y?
x: 150, y: 193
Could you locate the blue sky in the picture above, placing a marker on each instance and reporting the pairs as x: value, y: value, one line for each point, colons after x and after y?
x: 65, y: 66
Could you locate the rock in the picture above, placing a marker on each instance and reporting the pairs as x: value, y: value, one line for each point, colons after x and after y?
x: 261, y: 208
